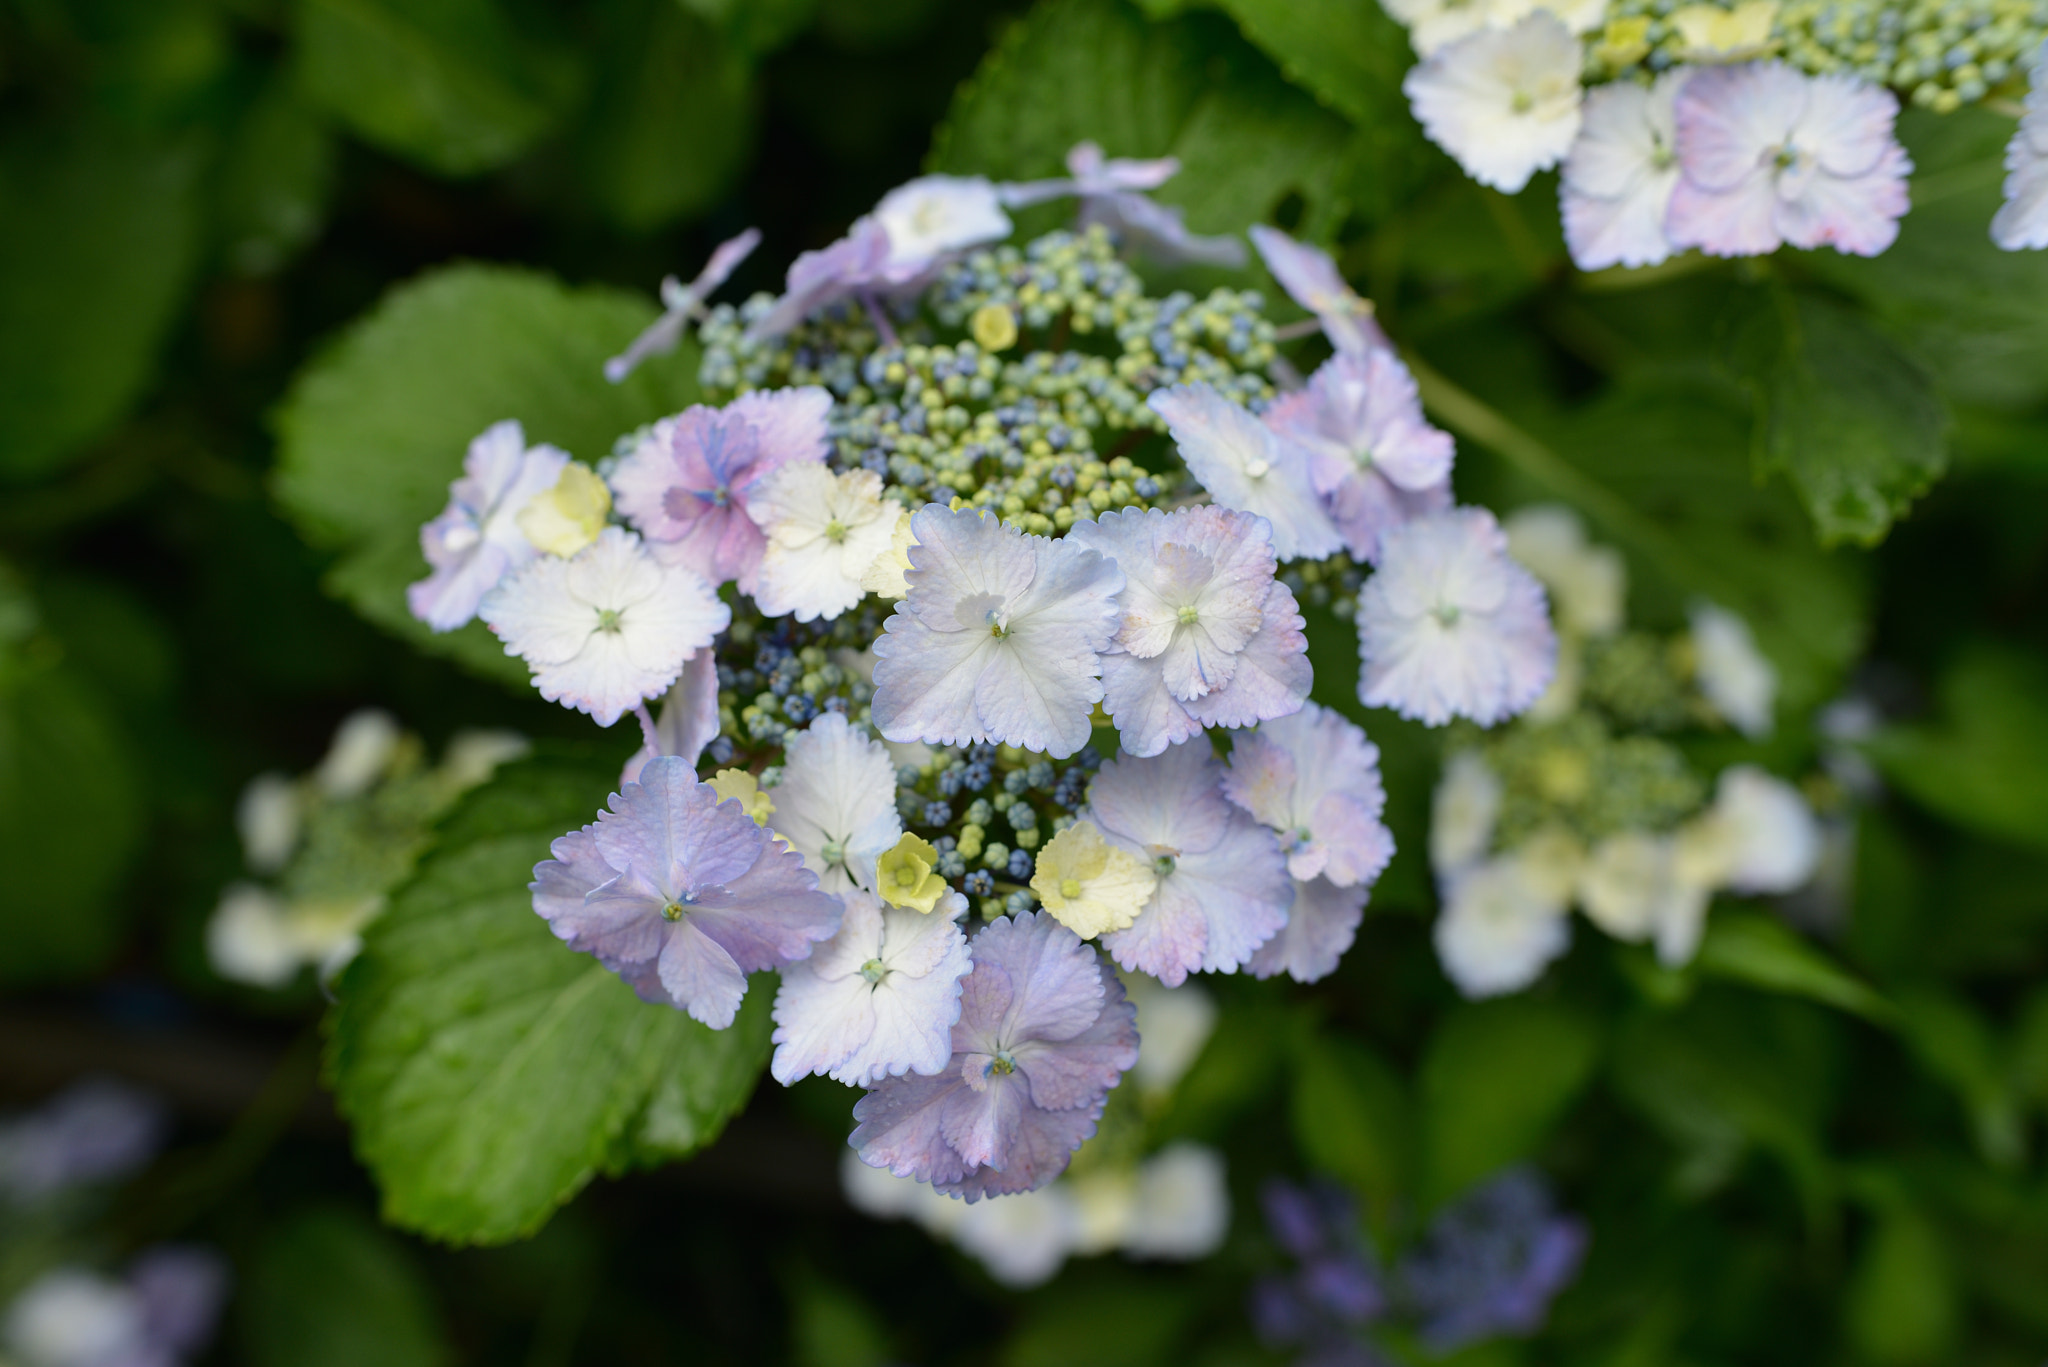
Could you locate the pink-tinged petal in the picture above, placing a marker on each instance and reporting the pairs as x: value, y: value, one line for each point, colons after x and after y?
x: 1848, y: 124
x: 1260, y: 779
x: 700, y: 977
x: 1038, y: 1152
x: 979, y: 1124
x: 1321, y: 925
x: 1148, y: 717
x: 1727, y: 118
x: 1273, y: 674
x: 1078, y: 1070
x: 1357, y: 844
x: 1168, y: 940
x: 1737, y: 222
x: 1058, y: 983
x: 1860, y: 217
x: 899, y: 1128
x: 1173, y: 801
x: 448, y: 598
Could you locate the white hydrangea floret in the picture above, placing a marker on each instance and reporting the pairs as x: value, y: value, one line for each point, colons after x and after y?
x: 1503, y: 102
x: 1736, y: 678
x: 836, y: 802
x: 824, y: 531
x: 1246, y: 465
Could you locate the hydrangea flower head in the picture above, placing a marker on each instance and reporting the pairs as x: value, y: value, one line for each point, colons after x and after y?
x: 1311, y: 280
x: 1222, y: 887
x: 1759, y: 836
x: 1044, y: 1033
x: 1620, y: 172
x: 2022, y: 220
x: 1769, y: 156
x: 999, y: 638
x: 1492, y: 1263
x: 1208, y: 637
x: 1462, y: 813
x: 92, y: 1131
x: 825, y: 532
x: 1504, y: 102
x: 836, y: 803
x: 1736, y: 678
x: 687, y: 484
x: 1451, y: 626
x: 1635, y: 887
x: 932, y: 217
x: 682, y: 894
x: 680, y: 303
x: 562, y: 520
x: 877, y: 1000
x: 1089, y: 885
x: 1315, y: 779
x: 1372, y: 455
x: 607, y: 630
x: 476, y: 541
x: 1247, y: 465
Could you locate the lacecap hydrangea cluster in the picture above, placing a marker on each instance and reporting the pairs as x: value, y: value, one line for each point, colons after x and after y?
x: 1732, y: 130
x: 979, y: 685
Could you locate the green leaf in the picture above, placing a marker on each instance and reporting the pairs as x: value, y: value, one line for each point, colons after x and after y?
x: 1851, y: 420
x: 1353, y: 1121
x: 1954, y: 1043
x: 1981, y: 763
x: 1496, y: 1077
x: 1075, y: 70
x: 330, y: 1289
x: 450, y: 84
x: 1762, y: 951
x: 270, y: 198
x: 672, y: 124
x: 375, y: 428
x: 1351, y: 56
x: 97, y: 246
x: 1902, y: 1306
x: 488, y: 1070
x: 754, y: 27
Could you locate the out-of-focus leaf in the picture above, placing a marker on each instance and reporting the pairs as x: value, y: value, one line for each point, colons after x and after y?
x: 832, y: 1327
x: 1076, y: 70
x: 450, y: 84
x: 1350, y: 56
x: 274, y: 181
x: 1977, y: 316
x: 1853, y: 422
x: 672, y: 121
x: 489, y: 1071
x: 2030, y: 1050
x: 97, y: 243
x: 754, y: 27
x: 330, y: 1289
x: 1496, y: 1077
x: 1240, y: 1066
x: 1902, y: 1304
x: 1955, y: 1044
x: 1762, y: 951
x: 1112, y: 1320
x: 374, y: 429
x: 1353, y: 1121
x: 1981, y: 763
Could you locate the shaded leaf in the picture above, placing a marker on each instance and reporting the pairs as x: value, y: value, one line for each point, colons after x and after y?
x: 1496, y: 1077
x: 375, y: 428
x: 1901, y: 1304
x: 1353, y: 1121
x: 1762, y: 951
x: 1954, y: 1043
x: 277, y: 173
x: 331, y: 1289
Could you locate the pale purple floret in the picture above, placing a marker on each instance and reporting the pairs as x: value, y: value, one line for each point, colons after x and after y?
x: 999, y: 638
x: 1451, y: 626
x: 1044, y: 1032
x: 681, y: 303
x: 1336, y: 1289
x: 1315, y: 779
x: 476, y: 541
x: 1207, y: 636
x: 878, y: 999
x: 1244, y: 464
x: 1321, y: 925
x: 1112, y: 195
x: 2022, y: 220
x: 1769, y: 156
x: 179, y: 1290
x: 1491, y: 1264
x: 688, y: 721
x: 685, y: 485
x: 1373, y: 457
x: 96, y: 1130
x: 1223, y: 889
x: 1311, y: 280
x: 682, y: 895
x: 1616, y: 187
x: 817, y: 280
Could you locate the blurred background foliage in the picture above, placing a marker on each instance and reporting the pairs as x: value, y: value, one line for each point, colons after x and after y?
x: 1798, y: 1151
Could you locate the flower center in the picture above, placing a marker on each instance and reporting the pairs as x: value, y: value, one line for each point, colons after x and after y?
x: 835, y: 531
x: 834, y: 852
x: 1003, y: 1064
x: 608, y: 619
x: 996, y: 626
x: 874, y: 970
x: 1070, y: 887
x: 672, y: 912
x: 1257, y: 467
x: 1446, y: 614
x: 1162, y: 865
x: 906, y: 877
x: 1521, y: 102
x: 1189, y: 614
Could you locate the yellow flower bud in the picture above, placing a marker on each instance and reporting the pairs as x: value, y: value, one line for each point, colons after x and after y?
x: 993, y: 327
x: 737, y: 785
x: 1089, y: 885
x: 564, y: 519
x: 907, y: 875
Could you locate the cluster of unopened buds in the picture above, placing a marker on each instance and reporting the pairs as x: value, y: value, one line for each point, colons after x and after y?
x: 1733, y: 130
x: 1078, y: 745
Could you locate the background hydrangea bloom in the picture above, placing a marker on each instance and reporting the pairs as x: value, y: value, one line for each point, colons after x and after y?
x: 1451, y: 626
x: 1737, y: 679
x: 1223, y: 888
x: 1504, y: 102
x: 1491, y: 1263
x: 1769, y: 156
x: 998, y: 639
x: 477, y: 541
x: 608, y: 630
x: 817, y: 280
x: 878, y: 999
x: 836, y: 803
x: 1044, y: 1033
x: 1207, y: 637
x: 932, y: 217
x: 2022, y: 220
x: 1246, y: 465
x: 1111, y: 191
x: 685, y: 486
x: 1500, y: 927
x: 1312, y: 280
x: 1372, y: 455
x: 682, y: 895
x: 681, y: 303
x: 1620, y: 172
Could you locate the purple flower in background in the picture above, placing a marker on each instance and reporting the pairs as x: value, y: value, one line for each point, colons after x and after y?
x: 682, y: 895
x: 1222, y: 887
x: 817, y: 280
x: 476, y: 540
x: 685, y: 486
x: 93, y: 1131
x: 1333, y: 1292
x: 180, y: 1290
x: 1373, y: 457
x: 1111, y: 191
x: 1044, y: 1033
x: 1768, y: 156
x: 1491, y: 1264
x: 680, y: 303
x: 1312, y: 280
x: 160, y: 1316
